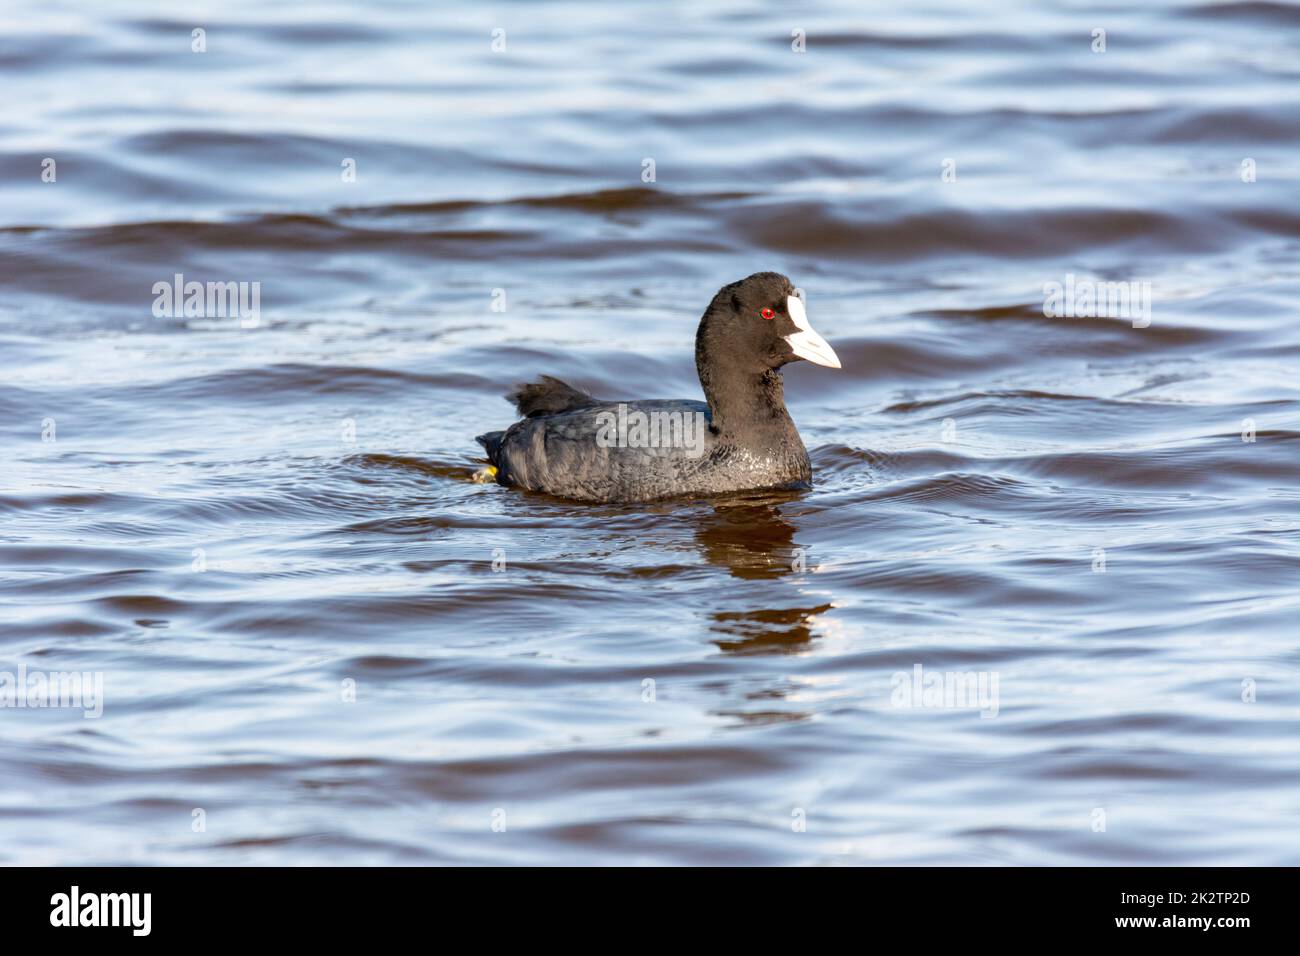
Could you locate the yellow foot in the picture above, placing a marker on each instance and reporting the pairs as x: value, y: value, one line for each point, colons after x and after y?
x: 485, y: 475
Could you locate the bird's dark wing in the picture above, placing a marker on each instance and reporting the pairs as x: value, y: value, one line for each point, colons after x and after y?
x: 570, y: 456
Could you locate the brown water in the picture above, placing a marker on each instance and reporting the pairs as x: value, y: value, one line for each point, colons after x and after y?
x: 234, y: 525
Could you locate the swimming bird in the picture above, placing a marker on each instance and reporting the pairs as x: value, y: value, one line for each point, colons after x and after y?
x: 573, y: 445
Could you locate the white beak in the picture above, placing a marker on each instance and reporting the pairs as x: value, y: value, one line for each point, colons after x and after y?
x: 806, y: 343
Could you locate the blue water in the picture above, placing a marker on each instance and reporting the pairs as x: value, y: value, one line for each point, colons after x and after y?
x: 265, y: 542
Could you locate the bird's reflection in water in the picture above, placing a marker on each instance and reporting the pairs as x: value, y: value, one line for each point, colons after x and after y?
x: 754, y: 542
x: 749, y: 538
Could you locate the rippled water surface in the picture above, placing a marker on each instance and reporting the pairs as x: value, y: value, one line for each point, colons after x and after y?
x: 239, y: 528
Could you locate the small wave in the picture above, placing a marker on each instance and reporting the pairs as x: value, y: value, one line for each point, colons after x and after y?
x: 1259, y: 12
x: 596, y: 201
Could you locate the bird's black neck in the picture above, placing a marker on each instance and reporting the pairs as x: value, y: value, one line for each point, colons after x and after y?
x: 747, y: 405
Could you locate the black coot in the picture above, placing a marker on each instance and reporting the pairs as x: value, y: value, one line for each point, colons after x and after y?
x: 572, y: 445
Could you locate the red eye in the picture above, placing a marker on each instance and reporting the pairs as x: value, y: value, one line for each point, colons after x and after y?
x: 767, y: 314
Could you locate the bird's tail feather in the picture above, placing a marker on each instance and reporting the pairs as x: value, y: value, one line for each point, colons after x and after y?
x: 547, y: 396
